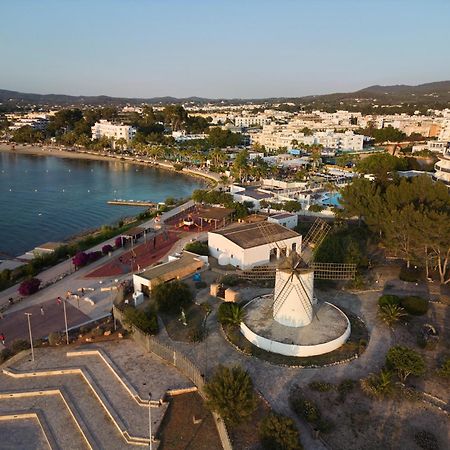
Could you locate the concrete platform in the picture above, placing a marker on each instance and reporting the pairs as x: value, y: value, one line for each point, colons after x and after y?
x: 329, y: 329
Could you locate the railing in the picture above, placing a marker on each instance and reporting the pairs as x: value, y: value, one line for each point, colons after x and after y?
x: 178, y: 360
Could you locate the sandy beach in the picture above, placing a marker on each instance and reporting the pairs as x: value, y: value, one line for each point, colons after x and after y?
x: 38, y: 150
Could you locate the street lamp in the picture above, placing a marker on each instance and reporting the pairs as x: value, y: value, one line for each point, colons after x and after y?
x: 65, y: 321
x: 150, y: 420
x: 31, y: 336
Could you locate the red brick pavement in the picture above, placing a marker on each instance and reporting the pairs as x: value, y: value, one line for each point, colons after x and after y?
x: 146, y: 254
x: 15, y: 325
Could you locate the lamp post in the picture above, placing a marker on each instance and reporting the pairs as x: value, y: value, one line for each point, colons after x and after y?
x: 150, y: 420
x: 31, y: 336
x: 65, y: 321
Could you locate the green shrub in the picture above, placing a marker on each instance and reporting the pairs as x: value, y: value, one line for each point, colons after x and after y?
x: 386, y: 300
x: 230, y: 280
x: 426, y: 440
x: 414, y: 305
x: 20, y: 344
x: 230, y: 314
x: 344, y: 388
x: 378, y: 385
x: 304, y: 408
x: 444, y: 370
x: 412, y: 274
x: 321, y: 386
x: 230, y: 393
x: 84, y: 329
x: 316, y: 208
x: 145, y: 321
x: 405, y: 361
x: 279, y: 433
x: 171, y: 297
x: 197, y: 247
x: 5, y: 354
x: 196, y: 334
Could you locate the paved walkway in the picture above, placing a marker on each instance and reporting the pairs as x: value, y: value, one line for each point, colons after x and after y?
x: 275, y: 382
x: 52, y: 319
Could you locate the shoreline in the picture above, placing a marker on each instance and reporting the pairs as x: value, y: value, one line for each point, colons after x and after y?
x: 44, y: 151
x: 35, y: 150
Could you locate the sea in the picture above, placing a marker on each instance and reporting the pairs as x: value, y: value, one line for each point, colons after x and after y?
x: 48, y: 198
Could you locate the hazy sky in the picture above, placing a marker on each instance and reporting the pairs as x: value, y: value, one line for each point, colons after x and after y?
x: 220, y: 48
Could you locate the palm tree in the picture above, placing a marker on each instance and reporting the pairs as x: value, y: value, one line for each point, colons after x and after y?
x: 391, y: 314
x: 230, y: 314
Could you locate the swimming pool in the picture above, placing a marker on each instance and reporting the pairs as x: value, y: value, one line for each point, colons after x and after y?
x: 330, y: 199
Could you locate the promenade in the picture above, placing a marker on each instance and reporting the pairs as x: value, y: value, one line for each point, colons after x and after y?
x: 95, y: 279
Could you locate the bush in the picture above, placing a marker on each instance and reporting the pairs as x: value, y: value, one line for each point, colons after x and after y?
x: 391, y: 300
x: 5, y: 354
x: 230, y: 393
x: 344, y: 388
x: 405, y: 361
x: 144, y: 320
x: 412, y: 275
x: 316, y: 208
x: 378, y: 385
x: 416, y: 306
x: 30, y: 286
x: 197, y: 334
x: 107, y: 249
x: 20, y: 344
x: 230, y: 314
x: 94, y: 256
x: 54, y: 338
x: 321, y: 386
x: 98, y: 331
x: 172, y: 296
x: 230, y: 280
x: 426, y: 440
x: 304, y: 408
x: 80, y: 259
x: 279, y: 433
x: 444, y: 370
x: 197, y: 247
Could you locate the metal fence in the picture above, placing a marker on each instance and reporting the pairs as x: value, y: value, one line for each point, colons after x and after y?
x: 178, y: 360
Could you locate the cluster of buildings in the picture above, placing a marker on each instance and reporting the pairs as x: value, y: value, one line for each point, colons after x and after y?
x: 36, y: 120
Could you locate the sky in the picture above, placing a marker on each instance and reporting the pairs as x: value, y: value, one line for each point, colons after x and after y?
x: 220, y: 48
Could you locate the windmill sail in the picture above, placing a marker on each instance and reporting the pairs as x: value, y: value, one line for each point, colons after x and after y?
x: 333, y: 271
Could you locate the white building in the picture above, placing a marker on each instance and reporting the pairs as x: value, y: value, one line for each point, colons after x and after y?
x: 104, y: 128
x: 287, y: 220
x: 443, y: 168
x: 252, y: 244
x: 248, y: 121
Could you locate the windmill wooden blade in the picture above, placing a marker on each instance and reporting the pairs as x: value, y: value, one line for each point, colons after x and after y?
x: 333, y: 271
x: 258, y: 273
x: 282, y: 295
x: 316, y: 234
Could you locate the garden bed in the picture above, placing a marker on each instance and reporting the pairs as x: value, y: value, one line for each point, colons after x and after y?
x: 193, y: 331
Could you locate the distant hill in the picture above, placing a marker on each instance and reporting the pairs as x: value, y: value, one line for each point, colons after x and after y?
x: 435, y: 94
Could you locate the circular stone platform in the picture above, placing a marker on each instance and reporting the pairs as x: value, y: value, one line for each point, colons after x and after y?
x: 329, y: 329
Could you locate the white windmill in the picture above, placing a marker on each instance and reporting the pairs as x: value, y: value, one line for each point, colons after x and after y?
x: 284, y: 327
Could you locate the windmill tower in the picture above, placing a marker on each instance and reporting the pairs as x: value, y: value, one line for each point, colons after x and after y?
x: 294, y: 302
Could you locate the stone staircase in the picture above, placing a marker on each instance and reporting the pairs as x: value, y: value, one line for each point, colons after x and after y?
x: 80, y: 401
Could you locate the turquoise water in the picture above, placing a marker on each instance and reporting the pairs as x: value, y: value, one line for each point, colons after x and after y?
x: 46, y: 198
x: 331, y: 199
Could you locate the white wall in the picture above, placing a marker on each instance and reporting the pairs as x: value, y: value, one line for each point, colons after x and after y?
x: 293, y: 349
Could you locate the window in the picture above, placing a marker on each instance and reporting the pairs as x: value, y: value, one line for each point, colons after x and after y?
x: 294, y: 246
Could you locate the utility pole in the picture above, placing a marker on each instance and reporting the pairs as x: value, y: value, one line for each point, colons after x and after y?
x: 31, y: 336
x: 65, y: 321
x: 150, y: 420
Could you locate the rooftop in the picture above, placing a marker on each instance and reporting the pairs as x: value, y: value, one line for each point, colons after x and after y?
x: 282, y: 216
x: 213, y: 212
x: 251, y: 235
x: 168, y: 271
